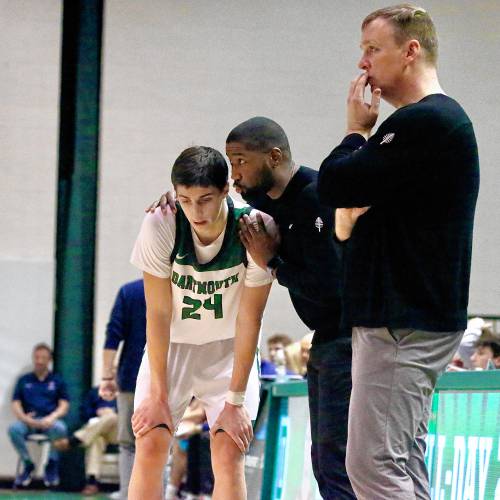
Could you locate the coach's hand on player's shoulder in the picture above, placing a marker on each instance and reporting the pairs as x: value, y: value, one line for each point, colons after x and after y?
x: 234, y: 421
x: 261, y: 245
x: 150, y: 413
x: 166, y: 200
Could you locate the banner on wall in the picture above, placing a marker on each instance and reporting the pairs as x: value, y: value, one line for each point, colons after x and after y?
x: 463, y: 446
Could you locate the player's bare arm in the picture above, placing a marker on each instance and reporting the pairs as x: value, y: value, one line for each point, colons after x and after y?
x: 234, y: 419
x: 153, y: 410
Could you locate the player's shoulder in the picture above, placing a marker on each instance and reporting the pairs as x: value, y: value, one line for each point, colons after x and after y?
x: 26, y: 378
x: 240, y: 207
x: 159, y: 222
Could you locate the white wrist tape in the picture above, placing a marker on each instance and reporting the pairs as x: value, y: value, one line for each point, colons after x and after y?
x: 235, y: 398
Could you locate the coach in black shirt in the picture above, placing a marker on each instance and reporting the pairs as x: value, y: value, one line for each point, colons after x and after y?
x: 307, y: 263
x: 407, y: 260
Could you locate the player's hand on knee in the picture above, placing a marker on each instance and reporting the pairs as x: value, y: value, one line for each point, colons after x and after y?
x: 236, y: 423
x: 151, y: 413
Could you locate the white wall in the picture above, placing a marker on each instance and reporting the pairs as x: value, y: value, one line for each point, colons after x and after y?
x: 183, y: 73
x: 29, y: 90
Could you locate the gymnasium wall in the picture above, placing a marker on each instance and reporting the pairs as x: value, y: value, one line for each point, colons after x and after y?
x: 29, y: 127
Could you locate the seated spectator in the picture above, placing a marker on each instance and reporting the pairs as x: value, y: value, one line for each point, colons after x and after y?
x: 297, y: 354
x: 99, y: 430
x: 274, y: 344
x: 39, y: 402
x: 476, y: 328
x: 487, y: 353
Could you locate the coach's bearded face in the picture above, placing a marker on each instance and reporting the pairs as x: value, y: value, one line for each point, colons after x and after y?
x: 250, y: 170
x: 260, y: 185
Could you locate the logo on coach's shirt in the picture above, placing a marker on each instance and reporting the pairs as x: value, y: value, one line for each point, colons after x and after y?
x: 318, y: 224
x: 387, y: 138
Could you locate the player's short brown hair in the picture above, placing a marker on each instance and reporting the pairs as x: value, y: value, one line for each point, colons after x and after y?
x: 200, y: 166
x: 410, y: 23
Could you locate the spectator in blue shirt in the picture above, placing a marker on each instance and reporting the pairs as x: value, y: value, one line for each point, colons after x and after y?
x: 127, y: 324
x: 39, y: 402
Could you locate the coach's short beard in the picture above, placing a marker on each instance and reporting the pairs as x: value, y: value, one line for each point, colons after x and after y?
x: 264, y: 184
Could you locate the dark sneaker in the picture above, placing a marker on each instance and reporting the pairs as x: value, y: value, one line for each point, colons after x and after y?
x: 51, y: 476
x: 24, y: 478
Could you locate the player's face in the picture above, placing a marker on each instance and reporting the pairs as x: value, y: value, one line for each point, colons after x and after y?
x: 201, y: 205
x: 41, y: 360
x: 250, y: 170
x: 481, y: 357
x: 382, y: 59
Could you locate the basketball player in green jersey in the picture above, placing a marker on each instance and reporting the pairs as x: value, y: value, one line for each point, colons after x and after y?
x: 205, y: 298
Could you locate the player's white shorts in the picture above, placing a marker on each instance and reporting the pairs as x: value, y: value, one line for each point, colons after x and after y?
x: 203, y: 371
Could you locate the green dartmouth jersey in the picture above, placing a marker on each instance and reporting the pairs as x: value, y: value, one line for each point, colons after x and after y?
x: 207, y: 280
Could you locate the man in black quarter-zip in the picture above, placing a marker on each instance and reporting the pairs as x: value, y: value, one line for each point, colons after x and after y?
x: 406, y: 257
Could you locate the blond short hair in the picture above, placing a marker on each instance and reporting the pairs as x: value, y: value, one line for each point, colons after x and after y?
x: 410, y: 23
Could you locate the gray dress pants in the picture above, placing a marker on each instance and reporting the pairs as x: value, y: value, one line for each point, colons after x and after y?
x: 394, y: 373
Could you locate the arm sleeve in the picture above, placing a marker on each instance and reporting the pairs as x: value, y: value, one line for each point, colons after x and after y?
x: 18, y: 395
x: 360, y: 173
x: 155, y: 243
x: 255, y: 275
x: 117, y: 325
x: 321, y: 263
x: 62, y: 389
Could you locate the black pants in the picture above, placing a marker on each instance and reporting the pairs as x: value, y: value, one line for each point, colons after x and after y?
x: 329, y: 385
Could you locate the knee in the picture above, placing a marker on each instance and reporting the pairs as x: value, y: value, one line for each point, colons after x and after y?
x: 15, y: 429
x: 58, y: 430
x: 153, y: 446
x: 350, y: 465
x: 354, y: 462
x: 226, y: 456
x: 110, y: 417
